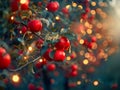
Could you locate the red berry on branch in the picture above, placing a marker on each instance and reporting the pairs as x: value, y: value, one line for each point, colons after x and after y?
x: 93, y: 39
x: 51, y: 67
x: 31, y: 87
x: 74, y: 73
x: 35, y: 25
x: 65, y: 11
x: 39, y: 43
x: 53, y: 6
x: 59, y: 55
x: 24, y: 29
x: 87, y: 10
x: 40, y: 88
x: 63, y: 44
x: 46, y: 55
x: 74, y: 67
x: 5, y: 59
x: 14, y: 5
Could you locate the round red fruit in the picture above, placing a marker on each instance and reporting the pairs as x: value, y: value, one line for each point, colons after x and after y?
x: 24, y: 30
x: 31, y: 87
x: 51, y: 67
x: 5, y: 59
x: 39, y: 43
x: 53, y: 6
x: 14, y: 5
x: 63, y: 44
x: 74, y: 67
x: 59, y: 55
x: 46, y: 55
x: 74, y: 73
x: 65, y: 11
x: 35, y: 25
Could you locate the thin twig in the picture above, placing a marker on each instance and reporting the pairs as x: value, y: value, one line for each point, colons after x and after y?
x: 20, y: 68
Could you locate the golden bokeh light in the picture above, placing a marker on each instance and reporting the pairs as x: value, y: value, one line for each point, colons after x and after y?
x: 85, y: 61
x: 95, y: 83
x: 93, y: 3
x: 16, y: 78
x: 79, y: 82
x: 23, y: 1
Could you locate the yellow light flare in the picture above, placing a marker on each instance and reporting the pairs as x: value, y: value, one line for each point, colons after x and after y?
x: 85, y: 61
x: 68, y: 58
x: 82, y: 52
x: 89, y: 31
x: 30, y: 48
x: 95, y: 83
x: 93, y: 3
x: 57, y: 18
x: 81, y: 41
x: 68, y: 6
x: 80, y: 6
x: 16, y: 78
x: 98, y: 36
x: 40, y: 60
x: 25, y: 57
x: 74, y: 4
x: 23, y: 1
x: 93, y: 12
x: 12, y: 17
x: 79, y: 82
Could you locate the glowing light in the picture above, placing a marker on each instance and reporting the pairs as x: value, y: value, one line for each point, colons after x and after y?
x: 57, y: 18
x: 80, y: 6
x: 96, y: 83
x: 15, y: 78
x: 68, y: 58
x: 68, y: 6
x: 85, y: 61
x: 93, y: 3
x: 12, y: 17
x: 81, y: 41
x: 89, y: 31
x: 25, y: 57
x: 41, y: 60
x: 23, y: 1
x: 74, y: 4
x: 78, y: 82
x: 93, y: 12
x: 30, y: 48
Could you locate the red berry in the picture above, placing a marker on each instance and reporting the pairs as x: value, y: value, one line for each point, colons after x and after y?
x: 114, y: 86
x: 93, y: 39
x: 24, y: 29
x: 14, y: 5
x: 63, y: 44
x: 53, y: 6
x: 5, y: 59
x: 85, y: 42
x: 31, y: 86
x: 87, y: 10
x: 59, y: 55
x: 84, y: 16
x: 74, y: 73
x: 35, y: 25
x: 46, y: 55
x: 25, y: 5
x: 90, y: 45
x: 40, y: 88
x: 74, y: 67
x: 39, y: 43
x: 51, y: 67
x: 40, y: 63
x: 65, y: 11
